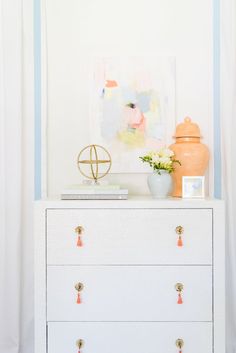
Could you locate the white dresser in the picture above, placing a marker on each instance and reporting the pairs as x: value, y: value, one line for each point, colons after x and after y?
x: 135, y: 276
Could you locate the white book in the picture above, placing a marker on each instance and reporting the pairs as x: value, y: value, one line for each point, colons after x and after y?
x: 95, y: 192
x: 94, y: 197
x: 93, y: 186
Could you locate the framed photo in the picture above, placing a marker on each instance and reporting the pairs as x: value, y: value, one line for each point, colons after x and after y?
x: 193, y: 187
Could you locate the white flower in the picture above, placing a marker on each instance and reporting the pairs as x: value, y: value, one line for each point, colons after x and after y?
x: 160, y: 159
x: 151, y: 154
x: 169, y: 153
x: 155, y: 158
x: 164, y: 160
x: 166, y: 152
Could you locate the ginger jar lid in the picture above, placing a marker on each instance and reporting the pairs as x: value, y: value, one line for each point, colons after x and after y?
x: 187, y: 129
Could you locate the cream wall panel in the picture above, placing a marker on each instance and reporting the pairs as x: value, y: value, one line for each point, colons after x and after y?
x: 76, y: 30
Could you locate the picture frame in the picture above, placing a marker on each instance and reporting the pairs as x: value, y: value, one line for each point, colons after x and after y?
x: 132, y: 107
x: 193, y: 187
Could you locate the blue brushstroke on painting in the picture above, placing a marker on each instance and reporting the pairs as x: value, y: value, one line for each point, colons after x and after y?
x: 128, y: 95
x: 112, y: 112
x: 144, y: 101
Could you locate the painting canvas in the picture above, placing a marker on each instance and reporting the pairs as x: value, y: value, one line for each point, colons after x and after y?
x: 132, y: 107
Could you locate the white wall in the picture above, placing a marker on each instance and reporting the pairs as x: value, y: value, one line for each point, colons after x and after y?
x: 78, y: 30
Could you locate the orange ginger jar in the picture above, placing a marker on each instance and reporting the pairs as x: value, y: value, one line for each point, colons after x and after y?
x: 192, y: 154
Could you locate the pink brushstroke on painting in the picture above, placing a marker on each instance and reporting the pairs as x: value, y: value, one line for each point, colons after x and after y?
x: 134, y: 117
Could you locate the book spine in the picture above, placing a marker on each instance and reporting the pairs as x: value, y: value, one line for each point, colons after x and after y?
x: 94, y: 197
x: 95, y: 192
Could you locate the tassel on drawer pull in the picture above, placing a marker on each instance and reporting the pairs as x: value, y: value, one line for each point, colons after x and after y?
x: 180, y: 300
x: 179, y: 344
x: 179, y: 288
x: 79, y: 230
x: 180, y: 242
x: 179, y: 230
x: 79, y: 287
x: 78, y: 299
x: 80, y: 344
x: 79, y: 241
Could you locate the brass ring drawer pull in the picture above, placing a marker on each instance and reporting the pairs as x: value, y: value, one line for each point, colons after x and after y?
x: 179, y: 344
x: 179, y: 288
x: 79, y: 231
x: 79, y: 287
x: 80, y: 344
x: 179, y: 230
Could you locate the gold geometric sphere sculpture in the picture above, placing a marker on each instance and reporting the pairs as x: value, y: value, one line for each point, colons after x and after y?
x: 89, y: 155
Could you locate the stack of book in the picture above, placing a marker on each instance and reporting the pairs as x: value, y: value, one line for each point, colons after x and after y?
x: 94, y: 192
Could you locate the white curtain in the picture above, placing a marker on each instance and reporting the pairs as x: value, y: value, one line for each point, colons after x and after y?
x: 16, y: 171
x: 16, y: 179
x: 228, y: 128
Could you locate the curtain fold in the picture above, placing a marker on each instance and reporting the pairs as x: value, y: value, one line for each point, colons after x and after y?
x: 15, y: 194
x: 228, y: 130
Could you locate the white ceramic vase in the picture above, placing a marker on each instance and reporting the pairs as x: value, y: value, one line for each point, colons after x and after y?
x: 160, y: 185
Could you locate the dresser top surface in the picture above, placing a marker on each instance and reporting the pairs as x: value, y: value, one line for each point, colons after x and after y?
x: 132, y: 202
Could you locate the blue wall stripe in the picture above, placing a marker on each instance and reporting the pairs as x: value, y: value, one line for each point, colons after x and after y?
x: 216, y: 92
x: 37, y: 98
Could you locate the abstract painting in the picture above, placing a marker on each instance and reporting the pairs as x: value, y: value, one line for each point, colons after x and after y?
x: 132, y: 107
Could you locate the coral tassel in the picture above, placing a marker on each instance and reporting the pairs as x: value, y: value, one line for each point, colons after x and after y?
x: 79, y: 242
x: 180, y: 243
x: 180, y: 300
x: 179, y: 352
x: 78, y: 299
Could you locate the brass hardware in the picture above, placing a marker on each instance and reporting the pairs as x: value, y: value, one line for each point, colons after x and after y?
x: 179, y: 343
x: 179, y: 287
x: 80, y: 343
x: 179, y: 230
x: 79, y: 230
x: 79, y: 287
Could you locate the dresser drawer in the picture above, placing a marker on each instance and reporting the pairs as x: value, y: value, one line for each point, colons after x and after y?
x: 129, y: 293
x: 129, y: 337
x: 129, y: 236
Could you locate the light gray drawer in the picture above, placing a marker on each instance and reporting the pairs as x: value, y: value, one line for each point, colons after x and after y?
x: 129, y: 293
x: 129, y: 236
x: 138, y: 337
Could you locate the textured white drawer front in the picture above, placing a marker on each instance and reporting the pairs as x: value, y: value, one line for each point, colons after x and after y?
x: 129, y: 337
x: 129, y: 236
x: 129, y: 293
